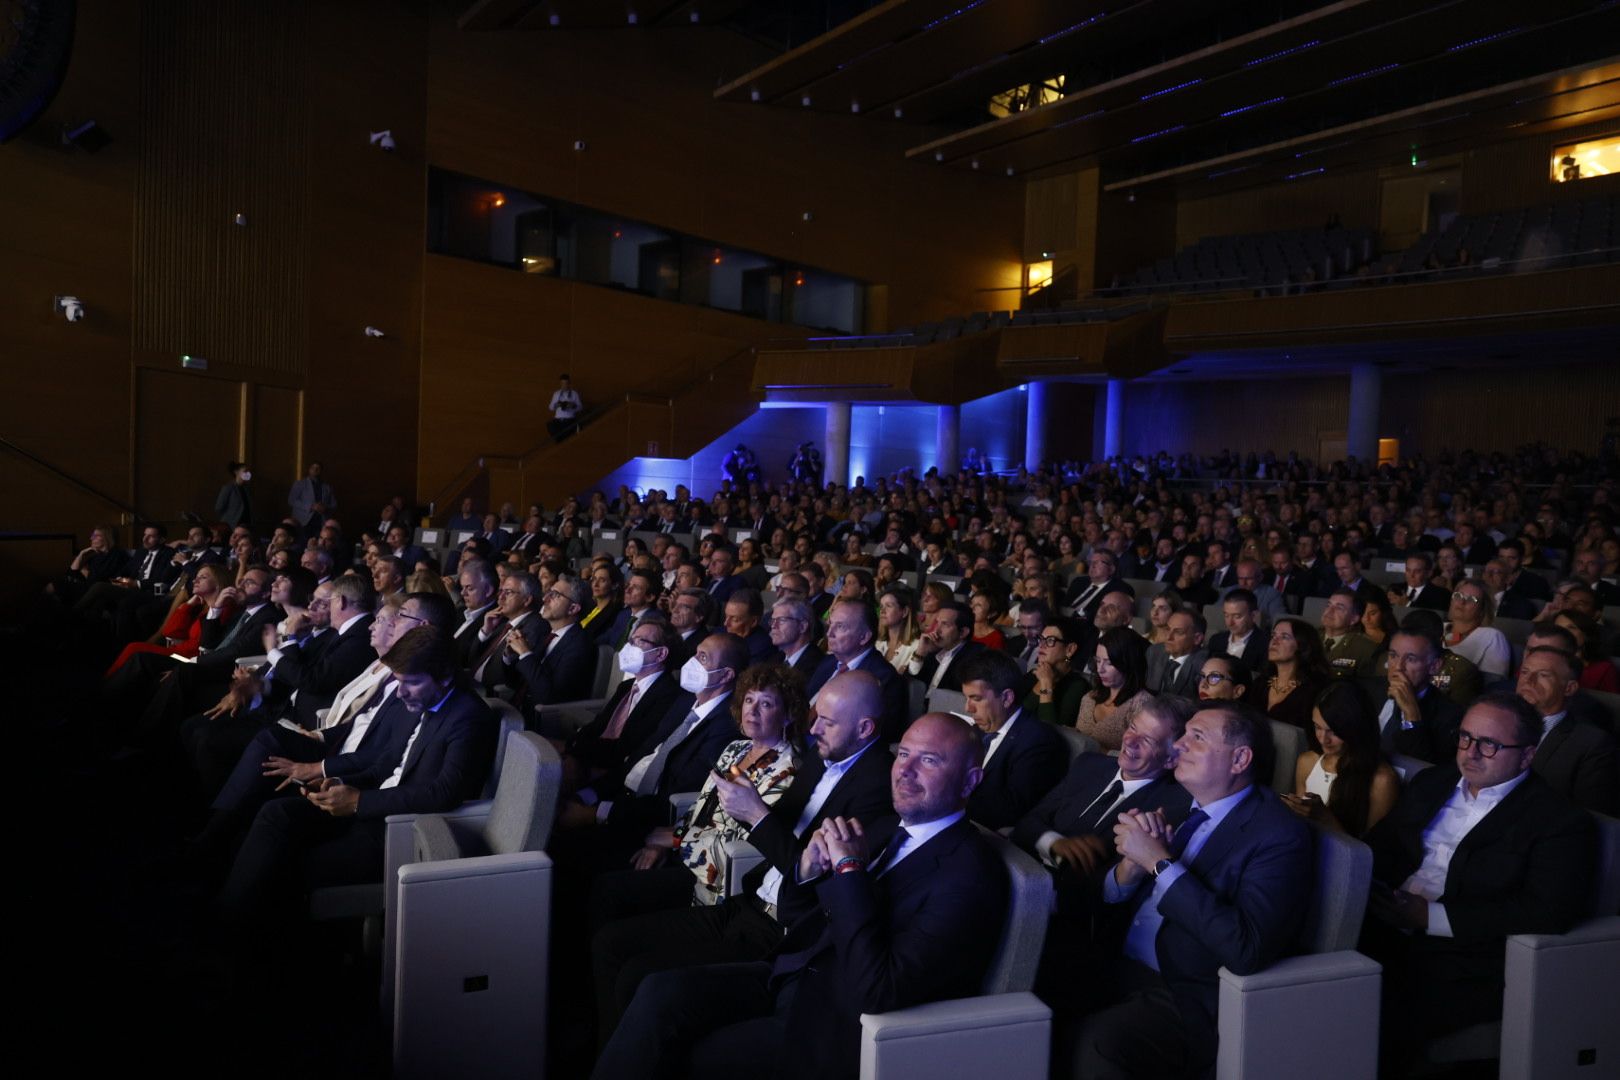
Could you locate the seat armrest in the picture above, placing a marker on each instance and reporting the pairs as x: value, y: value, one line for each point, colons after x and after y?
x: 477, y: 866
x: 1302, y: 970
x: 740, y: 858
x: 435, y: 841
x: 1587, y: 933
x: 1005, y: 1035
x: 681, y: 803
x: 561, y: 720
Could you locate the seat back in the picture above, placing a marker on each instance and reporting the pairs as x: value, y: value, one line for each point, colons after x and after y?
x: 947, y: 701
x: 1406, y: 766
x: 511, y: 722
x: 1339, y: 900
x: 1079, y: 743
x: 526, y: 801
x: 607, y: 664
x: 1609, y: 701
x: 1606, y: 890
x: 917, y: 701
x: 1029, y: 906
x: 1288, y: 742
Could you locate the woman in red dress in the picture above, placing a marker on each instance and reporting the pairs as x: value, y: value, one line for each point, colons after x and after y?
x: 182, y: 630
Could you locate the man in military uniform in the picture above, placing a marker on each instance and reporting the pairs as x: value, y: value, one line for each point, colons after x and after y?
x: 1350, y: 653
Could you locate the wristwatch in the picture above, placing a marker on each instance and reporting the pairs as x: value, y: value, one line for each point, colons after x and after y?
x: 1162, y: 865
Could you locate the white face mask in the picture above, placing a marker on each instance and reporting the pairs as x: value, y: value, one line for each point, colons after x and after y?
x: 632, y: 659
x: 247, y: 474
x: 694, y: 677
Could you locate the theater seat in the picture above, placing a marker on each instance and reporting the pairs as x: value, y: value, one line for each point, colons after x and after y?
x: 1079, y: 742
x: 465, y: 973
x: 1005, y: 1033
x: 1289, y: 742
x: 1327, y: 979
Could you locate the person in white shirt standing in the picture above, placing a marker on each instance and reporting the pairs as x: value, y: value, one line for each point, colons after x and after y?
x: 565, y: 406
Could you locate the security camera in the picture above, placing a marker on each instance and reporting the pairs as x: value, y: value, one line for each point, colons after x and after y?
x: 71, y: 307
x: 579, y: 144
x: 383, y: 140
x: 372, y: 331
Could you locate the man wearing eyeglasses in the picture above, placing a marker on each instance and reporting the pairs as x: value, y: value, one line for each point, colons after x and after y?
x: 1473, y: 852
x: 793, y: 627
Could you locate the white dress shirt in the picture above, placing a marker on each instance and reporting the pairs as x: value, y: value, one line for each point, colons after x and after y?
x: 1043, y: 845
x: 1441, y: 839
x: 834, y: 772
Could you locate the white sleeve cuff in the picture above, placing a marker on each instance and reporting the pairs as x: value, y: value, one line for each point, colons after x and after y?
x: 1043, y: 846
x: 1439, y: 921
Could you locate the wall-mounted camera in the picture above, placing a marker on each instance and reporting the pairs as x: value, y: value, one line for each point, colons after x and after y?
x: 383, y: 140
x: 70, y: 308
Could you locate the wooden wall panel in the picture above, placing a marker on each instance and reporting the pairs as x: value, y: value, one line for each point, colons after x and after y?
x: 273, y: 425
x: 225, y: 102
x: 188, y: 427
x: 1302, y: 204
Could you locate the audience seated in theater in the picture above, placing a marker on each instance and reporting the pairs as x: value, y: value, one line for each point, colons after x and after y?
x: 1071, y: 830
x: 1288, y: 581
x: 1299, y: 672
x: 388, y: 575
x: 1597, y: 670
x: 1471, y: 634
x: 621, y: 806
x: 941, y: 650
x: 1030, y: 619
x: 1172, y: 668
x: 1224, y: 677
x: 1023, y: 757
x: 195, y: 615
x: 906, y: 916
x: 1475, y: 850
x: 685, y: 864
x: 604, y: 604
x: 1243, y: 637
x: 1343, y: 781
x: 1160, y: 608
x: 1578, y: 760
x: 494, y: 662
x: 559, y: 661
x: 363, y: 718
x: 1055, y: 685
x: 1225, y: 888
x: 1102, y: 578
x: 1419, y: 590
x: 332, y: 834
x: 793, y: 629
x: 1415, y: 718
x: 476, y: 584
x: 989, y: 607
x: 312, y: 655
x: 1120, y: 663
x: 721, y: 582
x: 851, y: 630
x: 632, y: 710
x: 743, y: 612
x: 897, y: 627
x: 641, y: 589
x: 1518, y: 580
x: 1350, y: 653
x: 690, y: 612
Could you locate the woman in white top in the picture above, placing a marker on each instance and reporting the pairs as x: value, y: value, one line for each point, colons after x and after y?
x: 1343, y: 782
x: 1471, y: 634
x: 897, y: 627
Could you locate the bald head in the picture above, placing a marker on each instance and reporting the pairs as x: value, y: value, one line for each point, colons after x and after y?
x: 936, y: 767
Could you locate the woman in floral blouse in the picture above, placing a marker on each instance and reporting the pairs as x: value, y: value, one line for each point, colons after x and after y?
x: 770, y: 707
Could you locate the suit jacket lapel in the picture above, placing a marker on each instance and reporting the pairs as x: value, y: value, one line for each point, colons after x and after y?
x: 1227, y: 832
x: 430, y: 724
x: 1554, y: 740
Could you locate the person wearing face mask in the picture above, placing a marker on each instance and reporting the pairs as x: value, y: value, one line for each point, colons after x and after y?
x: 632, y: 710
x: 234, y: 503
x: 628, y: 802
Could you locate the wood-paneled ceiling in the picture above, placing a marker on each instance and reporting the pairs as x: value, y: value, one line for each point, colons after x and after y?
x: 1199, y: 94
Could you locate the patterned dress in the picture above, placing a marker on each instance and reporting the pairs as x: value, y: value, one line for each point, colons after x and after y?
x: 707, y: 827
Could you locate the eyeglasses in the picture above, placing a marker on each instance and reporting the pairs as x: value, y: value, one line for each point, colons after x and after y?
x: 409, y: 618
x: 1487, y: 747
x: 1212, y: 678
x: 1051, y: 641
x: 778, y: 620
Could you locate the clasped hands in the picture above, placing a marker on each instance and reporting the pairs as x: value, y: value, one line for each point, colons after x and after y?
x: 1142, y: 838
x: 836, y: 840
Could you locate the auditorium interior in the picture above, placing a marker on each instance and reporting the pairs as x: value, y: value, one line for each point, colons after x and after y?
x: 512, y: 405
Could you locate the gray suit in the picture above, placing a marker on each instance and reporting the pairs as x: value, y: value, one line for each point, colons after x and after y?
x: 1182, y: 682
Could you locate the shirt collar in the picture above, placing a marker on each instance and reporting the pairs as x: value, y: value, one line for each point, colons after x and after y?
x: 927, y: 830
x: 839, y: 768
x: 1491, y: 795
x: 1218, y: 809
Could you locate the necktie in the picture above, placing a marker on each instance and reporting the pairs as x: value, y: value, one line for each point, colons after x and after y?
x: 621, y: 715
x: 989, y: 740
x: 1411, y: 594
x: 1282, y: 584
x: 1093, y: 816
x: 497, y: 641
x: 1184, y: 833
x: 1085, y: 597
x: 236, y: 629
x: 358, y: 702
x: 1171, y: 670
x: 886, y: 858
x: 146, y: 567
x: 655, y: 768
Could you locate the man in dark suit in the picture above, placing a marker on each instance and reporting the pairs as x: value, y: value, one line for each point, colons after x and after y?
x: 631, y: 711
x: 333, y: 834
x: 1577, y: 760
x: 1419, y: 593
x: 676, y: 756
x: 398, y: 542
x: 1244, y: 638
x: 1520, y: 582
x: 1320, y: 580
x: 743, y: 612
x: 1174, y: 668
x: 1221, y: 574
x: 722, y: 582
x: 1071, y: 830
x: 561, y: 665
x: 1416, y: 719
x: 1103, y: 577
x: 1023, y: 757
x: 793, y: 631
x: 850, y: 631
x: 819, y: 599
x: 940, y: 651
x: 477, y: 584
x: 494, y: 658
x: 1289, y: 581
x: 641, y: 589
x: 1348, y: 571
x: 1226, y: 888
x: 906, y: 915
x: 1474, y: 851
x: 848, y: 776
x: 1587, y: 568
x: 1509, y: 604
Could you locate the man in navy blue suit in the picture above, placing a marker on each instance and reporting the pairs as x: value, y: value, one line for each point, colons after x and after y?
x: 333, y: 834
x: 1225, y: 888
x: 560, y: 665
x: 851, y: 628
x: 1024, y: 757
x: 722, y: 582
x: 908, y: 913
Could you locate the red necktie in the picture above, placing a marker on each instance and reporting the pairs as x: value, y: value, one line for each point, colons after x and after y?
x: 621, y: 715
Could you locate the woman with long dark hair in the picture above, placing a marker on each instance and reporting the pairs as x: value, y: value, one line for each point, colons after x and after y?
x: 1299, y: 672
x: 1121, y: 663
x: 1343, y: 781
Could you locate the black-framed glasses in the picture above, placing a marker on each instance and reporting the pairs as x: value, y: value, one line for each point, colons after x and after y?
x: 402, y: 614
x: 1051, y: 641
x: 1487, y: 747
x: 1212, y: 678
